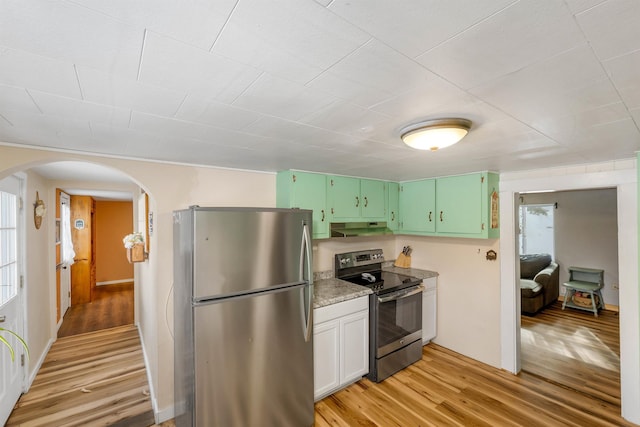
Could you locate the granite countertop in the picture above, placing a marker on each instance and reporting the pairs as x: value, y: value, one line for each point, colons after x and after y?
x: 332, y: 291
x: 415, y: 272
x: 329, y: 290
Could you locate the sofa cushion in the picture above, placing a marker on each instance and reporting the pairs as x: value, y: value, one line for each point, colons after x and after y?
x: 531, y: 264
x: 530, y: 288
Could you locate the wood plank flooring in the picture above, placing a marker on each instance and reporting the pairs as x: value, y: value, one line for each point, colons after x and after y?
x: 574, y: 349
x: 92, y: 379
x: 447, y: 389
x: 112, y: 306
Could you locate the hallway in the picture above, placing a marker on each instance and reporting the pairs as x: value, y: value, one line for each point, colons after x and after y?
x: 96, y: 378
x: 94, y: 374
x: 112, y: 306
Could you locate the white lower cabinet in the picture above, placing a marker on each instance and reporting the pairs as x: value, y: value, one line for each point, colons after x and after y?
x: 429, y: 307
x: 340, y: 345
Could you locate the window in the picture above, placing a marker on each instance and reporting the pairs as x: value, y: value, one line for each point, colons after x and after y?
x: 536, y: 229
x: 8, y: 247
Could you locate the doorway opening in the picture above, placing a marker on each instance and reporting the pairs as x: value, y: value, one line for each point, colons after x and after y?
x: 571, y: 347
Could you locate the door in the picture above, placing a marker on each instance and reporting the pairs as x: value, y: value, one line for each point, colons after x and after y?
x: 459, y: 204
x: 417, y: 206
x: 66, y: 253
x: 310, y: 192
x: 372, y: 199
x: 254, y: 361
x: 11, y: 306
x: 344, y: 197
x: 81, y: 213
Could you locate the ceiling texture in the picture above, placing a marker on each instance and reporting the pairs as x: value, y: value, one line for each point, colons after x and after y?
x: 324, y: 85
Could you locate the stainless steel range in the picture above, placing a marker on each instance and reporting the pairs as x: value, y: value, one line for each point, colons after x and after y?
x: 395, y: 311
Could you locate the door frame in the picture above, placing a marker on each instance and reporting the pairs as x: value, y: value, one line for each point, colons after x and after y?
x: 625, y: 180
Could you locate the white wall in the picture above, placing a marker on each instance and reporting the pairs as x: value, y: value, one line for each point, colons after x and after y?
x: 468, y: 297
x: 40, y: 319
x: 586, y: 233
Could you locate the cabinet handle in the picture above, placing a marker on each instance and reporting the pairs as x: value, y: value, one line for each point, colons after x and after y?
x: 440, y: 216
x: 366, y: 202
x: 322, y: 220
x: 332, y: 211
x: 482, y: 226
x: 393, y: 216
x: 357, y: 201
x: 430, y: 212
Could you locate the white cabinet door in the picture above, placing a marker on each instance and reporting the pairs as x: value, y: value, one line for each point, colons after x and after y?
x: 429, y: 310
x: 326, y: 357
x: 355, y: 346
x: 340, y: 345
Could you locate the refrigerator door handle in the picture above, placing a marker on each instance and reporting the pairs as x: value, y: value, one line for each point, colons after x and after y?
x: 307, y: 290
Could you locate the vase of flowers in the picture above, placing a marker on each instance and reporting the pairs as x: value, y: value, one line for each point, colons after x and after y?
x: 134, y: 244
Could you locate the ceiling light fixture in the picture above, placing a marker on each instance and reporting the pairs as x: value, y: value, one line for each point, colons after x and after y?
x: 435, y: 134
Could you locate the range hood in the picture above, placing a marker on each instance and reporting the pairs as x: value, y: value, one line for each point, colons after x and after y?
x: 351, y: 229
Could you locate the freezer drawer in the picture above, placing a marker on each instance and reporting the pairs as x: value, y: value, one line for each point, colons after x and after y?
x: 254, y: 361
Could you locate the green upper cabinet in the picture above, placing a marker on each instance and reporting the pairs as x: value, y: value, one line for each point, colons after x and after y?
x: 417, y: 206
x: 459, y: 203
x: 393, y: 205
x: 373, y: 199
x: 468, y: 205
x: 353, y: 199
x: 453, y: 206
x: 306, y: 191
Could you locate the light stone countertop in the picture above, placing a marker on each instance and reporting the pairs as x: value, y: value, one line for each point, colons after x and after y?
x: 331, y: 290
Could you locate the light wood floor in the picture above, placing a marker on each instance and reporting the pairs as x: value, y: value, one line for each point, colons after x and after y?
x: 447, y: 389
x: 92, y: 379
x: 574, y: 349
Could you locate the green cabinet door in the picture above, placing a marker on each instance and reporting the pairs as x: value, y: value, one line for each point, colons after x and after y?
x: 306, y: 191
x: 354, y: 199
x: 344, y: 198
x: 393, y: 205
x: 459, y: 204
x: 372, y: 200
x: 417, y: 206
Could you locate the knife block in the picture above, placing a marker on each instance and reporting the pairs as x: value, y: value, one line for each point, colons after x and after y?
x: 403, y: 261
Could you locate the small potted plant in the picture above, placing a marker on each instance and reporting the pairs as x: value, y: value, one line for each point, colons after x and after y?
x: 134, y: 243
x: 8, y: 344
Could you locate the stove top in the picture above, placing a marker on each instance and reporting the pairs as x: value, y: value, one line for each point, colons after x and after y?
x: 365, y: 268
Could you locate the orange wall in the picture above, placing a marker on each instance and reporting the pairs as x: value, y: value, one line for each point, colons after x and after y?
x: 113, y: 221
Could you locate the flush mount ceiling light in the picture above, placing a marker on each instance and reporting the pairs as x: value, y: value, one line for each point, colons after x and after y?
x: 435, y: 134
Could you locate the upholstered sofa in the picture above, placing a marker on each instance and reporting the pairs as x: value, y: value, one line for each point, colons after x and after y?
x: 539, y: 282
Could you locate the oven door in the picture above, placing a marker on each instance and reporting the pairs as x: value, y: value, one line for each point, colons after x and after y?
x: 399, y: 319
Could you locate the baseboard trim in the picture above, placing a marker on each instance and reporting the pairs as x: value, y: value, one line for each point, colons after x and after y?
x: 32, y: 375
x: 166, y: 413
x: 114, y: 282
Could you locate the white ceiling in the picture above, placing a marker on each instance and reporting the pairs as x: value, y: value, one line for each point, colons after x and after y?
x: 324, y: 85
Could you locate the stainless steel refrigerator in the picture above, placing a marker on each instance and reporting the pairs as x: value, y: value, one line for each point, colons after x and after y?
x: 243, y: 309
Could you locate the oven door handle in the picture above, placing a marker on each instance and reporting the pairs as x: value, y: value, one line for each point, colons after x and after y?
x: 405, y: 293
